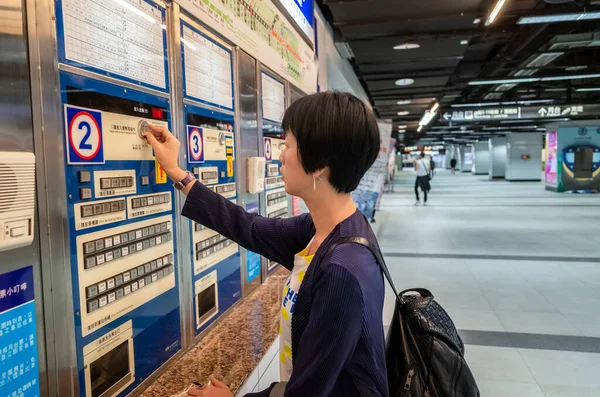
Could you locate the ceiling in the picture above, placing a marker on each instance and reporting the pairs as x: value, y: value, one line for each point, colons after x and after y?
x: 456, y: 47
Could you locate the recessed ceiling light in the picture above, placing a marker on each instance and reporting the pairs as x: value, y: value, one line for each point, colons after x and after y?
x: 402, y: 126
x: 464, y: 42
x: 406, y: 81
x: 476, y: 21
x: 403, y: 113
x: 404, y: 102
x: 576, y: 68
x: 402, y: 131
x: 407, y: 46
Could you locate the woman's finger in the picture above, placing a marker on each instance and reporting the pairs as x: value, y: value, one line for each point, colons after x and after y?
x: 160, y: 132
x: 217, y: 383
x: 151, y: 140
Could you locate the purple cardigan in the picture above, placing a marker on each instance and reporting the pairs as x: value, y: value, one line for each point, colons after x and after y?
x: 337, y: 328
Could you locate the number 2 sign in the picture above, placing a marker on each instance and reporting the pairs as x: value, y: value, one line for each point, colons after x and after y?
x: 84, y: 136
x: 195, y: 145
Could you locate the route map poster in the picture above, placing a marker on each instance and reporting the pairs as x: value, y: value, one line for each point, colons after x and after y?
x: 260, y: 29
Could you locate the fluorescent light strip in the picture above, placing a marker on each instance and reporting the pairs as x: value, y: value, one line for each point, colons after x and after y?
x: 131, y: 8
x: 420, y: 128
x: 534, y: 79
x: 559, y: 18
x: 588, y: 89
x: 495, y: 12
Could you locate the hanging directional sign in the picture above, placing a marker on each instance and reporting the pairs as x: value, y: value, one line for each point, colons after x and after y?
x: 520, y: 112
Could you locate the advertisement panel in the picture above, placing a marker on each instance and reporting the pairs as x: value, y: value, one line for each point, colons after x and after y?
x: 552, y: 161
x: 369, y: 190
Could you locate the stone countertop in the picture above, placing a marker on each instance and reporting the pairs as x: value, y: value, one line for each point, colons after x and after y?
x: 233, y: 348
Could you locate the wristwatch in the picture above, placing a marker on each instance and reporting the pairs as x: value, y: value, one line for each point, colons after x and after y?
x: 185, y: 181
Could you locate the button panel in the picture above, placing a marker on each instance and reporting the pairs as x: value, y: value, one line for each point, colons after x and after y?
x: 208, y: 175
x: 104, y: 208
x: 198, y: 227
x: 211, y: 245
x: 222, y: 189
x: 108, y: 249
x: 117, y: 182
x: 276, y: 198
x: 272, y: 170
x: 118, y: 287
x: 151, y: 200
x: 278, y: 214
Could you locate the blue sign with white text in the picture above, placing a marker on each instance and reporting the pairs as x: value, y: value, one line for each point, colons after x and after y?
x: 18, y: 340
x: 308, y: 9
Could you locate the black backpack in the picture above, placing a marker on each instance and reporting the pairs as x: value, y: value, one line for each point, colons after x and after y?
x: 425, y: 354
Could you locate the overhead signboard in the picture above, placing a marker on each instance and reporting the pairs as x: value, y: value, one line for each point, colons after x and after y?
x: 302, y: 12
x: 260, y: 29
x: 520, y: 112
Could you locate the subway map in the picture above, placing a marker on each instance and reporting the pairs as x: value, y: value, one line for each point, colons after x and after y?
x: 263, y: 19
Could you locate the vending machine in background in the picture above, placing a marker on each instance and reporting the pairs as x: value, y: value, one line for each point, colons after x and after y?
x: 209, y: 109
x: 273, y: 104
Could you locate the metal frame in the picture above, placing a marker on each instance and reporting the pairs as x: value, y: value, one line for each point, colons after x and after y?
x: 56, y: 271
x: 177, y: 109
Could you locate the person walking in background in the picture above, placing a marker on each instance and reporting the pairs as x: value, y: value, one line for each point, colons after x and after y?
x: 453, y: 165
x: 423, y: 169
x: 432, y: 167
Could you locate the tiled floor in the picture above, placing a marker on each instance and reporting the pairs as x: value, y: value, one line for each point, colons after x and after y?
x: 516, y: 266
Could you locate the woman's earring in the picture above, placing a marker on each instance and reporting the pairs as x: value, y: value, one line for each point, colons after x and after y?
x: 314, y: 183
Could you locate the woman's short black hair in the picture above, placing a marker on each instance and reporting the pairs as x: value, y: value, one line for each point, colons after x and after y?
x: 335, y: 130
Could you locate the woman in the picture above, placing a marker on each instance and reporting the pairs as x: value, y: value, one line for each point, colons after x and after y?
x: 335, y: 342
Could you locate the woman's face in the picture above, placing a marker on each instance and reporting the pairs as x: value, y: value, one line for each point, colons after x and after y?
x: 297, y: 181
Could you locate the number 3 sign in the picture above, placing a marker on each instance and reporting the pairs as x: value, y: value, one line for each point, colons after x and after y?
x: 195, y: 145
x: 84, y: 136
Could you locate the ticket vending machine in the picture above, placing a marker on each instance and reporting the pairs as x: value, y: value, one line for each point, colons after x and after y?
x: 297, y: 204
x: 209, y: 106
x: 119, y: 206
x: 273, y: 105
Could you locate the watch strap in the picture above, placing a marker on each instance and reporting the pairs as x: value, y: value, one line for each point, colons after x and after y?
x: 185, y: 181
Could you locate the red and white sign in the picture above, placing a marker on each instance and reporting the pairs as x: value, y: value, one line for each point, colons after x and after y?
x: 84, y: 136
x: 268, y: 151
x: 196, y: 145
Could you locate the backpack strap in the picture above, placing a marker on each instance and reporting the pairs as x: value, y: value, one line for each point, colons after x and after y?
x: 374, y: 250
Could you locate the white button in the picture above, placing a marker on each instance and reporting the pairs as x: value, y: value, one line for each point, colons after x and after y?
x: 18, y: 231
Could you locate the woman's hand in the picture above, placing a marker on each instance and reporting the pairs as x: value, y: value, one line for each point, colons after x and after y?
x: 166, y: 149
x: 214, y: 389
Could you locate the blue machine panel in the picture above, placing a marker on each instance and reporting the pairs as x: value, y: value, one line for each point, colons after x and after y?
x: 215, y: 259
x: 121, y: 39
x: 121, y: 224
